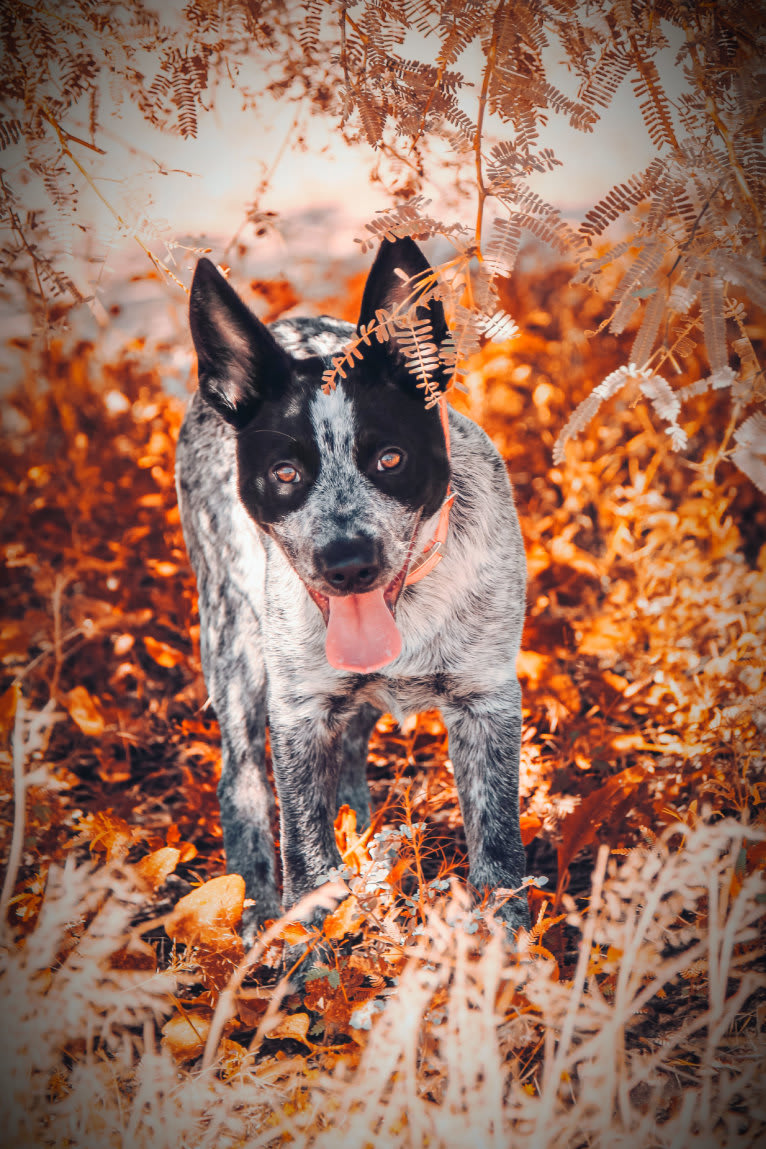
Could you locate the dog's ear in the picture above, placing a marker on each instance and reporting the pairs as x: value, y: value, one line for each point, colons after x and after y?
x: 387, y: 290
x: 239, y: 362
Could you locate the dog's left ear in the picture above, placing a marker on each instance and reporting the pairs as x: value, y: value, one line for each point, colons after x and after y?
x: 385, y: 289
x: 239, y: 362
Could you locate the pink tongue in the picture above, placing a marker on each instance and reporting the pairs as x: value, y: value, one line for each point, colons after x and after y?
x: 361, y: 633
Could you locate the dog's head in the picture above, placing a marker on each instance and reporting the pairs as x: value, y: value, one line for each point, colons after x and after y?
x: 341, y: 480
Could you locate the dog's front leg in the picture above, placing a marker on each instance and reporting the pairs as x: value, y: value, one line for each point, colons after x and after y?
x: 306, y: 756
x: 353, y: 789
x: 485, y: 742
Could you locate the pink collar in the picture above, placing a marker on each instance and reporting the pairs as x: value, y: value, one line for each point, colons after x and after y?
x: 432, y: 555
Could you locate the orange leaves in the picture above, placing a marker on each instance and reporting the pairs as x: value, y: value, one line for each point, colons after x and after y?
x: 209, y: 914
x: 346, y: 919
x: 157, y: 867
x: 293, y: 1025
x: 162, y: 653
x: 186, y: 1033
x: 582, y: 826
x: 640, y: 675
x: 530, y: 828
x: 352, y: 846
x: 86, y: 711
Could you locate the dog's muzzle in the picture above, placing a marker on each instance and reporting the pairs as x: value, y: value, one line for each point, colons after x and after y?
x: 362, y: 635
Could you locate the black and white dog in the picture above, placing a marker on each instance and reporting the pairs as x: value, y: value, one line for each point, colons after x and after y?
x: 306, y: 513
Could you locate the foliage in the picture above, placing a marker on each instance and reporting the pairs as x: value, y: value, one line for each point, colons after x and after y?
x: 634, y: 1013
x: 395, y: 77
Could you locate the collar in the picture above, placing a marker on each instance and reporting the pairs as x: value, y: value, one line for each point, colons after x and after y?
x: 432, y: 555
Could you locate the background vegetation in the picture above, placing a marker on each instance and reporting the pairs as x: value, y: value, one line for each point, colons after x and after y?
x: 634, y: 1013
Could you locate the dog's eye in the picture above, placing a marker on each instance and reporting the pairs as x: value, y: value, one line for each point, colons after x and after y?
x: 286, y: 473
x: 390, y: 459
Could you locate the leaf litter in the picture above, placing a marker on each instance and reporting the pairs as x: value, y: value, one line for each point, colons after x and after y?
x: 633, y: 1013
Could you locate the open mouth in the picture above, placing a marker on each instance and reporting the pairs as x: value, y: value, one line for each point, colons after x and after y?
x: 362, y: 635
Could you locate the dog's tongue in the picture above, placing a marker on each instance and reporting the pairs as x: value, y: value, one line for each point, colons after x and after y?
x: 361, y: 632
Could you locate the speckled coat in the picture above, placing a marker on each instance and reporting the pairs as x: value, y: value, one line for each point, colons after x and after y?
x: 263, y: 638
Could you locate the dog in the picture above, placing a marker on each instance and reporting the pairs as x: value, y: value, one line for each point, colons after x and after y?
x: 355, y: 554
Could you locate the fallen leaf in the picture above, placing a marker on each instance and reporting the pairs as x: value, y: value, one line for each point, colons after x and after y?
x: 163, y: 654
x: 208, y: 914
x: 351, y: 845
x: 8, y: 703
x: 345, y: 828
x: 295, y: 1026
x: 107, y: 833
x: 345, y: 919
x: 155, y: 868
x: 231, y: 1057
x: 184, y: 1036
x: 580, y: 828
x: 252, y: 1003
x: 294, y: 933
x: 531, y: 665
x: 530, y: 827
x: 561, y: 685
x: 85, y: 710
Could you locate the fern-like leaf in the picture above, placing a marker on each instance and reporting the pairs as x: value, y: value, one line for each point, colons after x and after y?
x: 421, y: 355
x: 600, y: 87
x: 373, y: 117
x: 499, y: 327
x: 503, y: 246
x: 309, y: 27
x: 667, y: 405
x: 654, y: 104
x: 183, y: 98
x: 749, y: 453
x: 646, y: 336
x: 621, y: 199
x: 395, y: 223
x: 10, y: 133
x: 713, y: 322
x: 585, y: 411
x: 641, y: 273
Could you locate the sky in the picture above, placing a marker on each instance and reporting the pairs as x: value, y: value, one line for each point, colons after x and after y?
x: 233, y: 150
x: 200, y: 193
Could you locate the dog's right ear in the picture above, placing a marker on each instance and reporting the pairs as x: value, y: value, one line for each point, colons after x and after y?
x: 239, y: 362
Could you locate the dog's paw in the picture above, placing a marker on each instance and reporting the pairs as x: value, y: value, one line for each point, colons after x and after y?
x: 250, y: 926
x: 302, y: 962
x: 254, y: 918
x: 514, y: 913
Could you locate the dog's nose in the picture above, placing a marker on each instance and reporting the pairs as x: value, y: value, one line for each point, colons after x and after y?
x: 349, y: 565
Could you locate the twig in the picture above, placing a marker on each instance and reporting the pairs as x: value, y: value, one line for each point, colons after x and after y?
x: 62, y: 581
x: 16, y: 226
x: 344, y: 64
x: 19, y: 809
x: 66, y: 150
x: 83, y: 143
x: 488, y: 69
x: 263, y: 186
